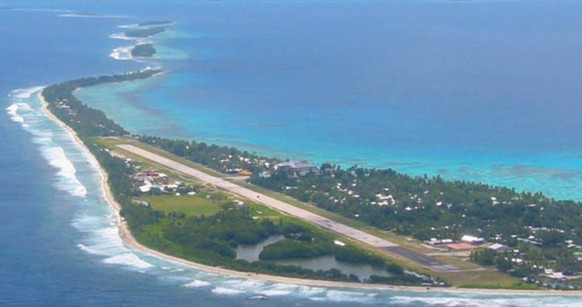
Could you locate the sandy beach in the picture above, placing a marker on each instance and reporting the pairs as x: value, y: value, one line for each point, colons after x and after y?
x: 130, y: 242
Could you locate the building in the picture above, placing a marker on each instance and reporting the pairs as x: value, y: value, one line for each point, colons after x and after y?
x: 245, y: 172
x: 297, y: 168
x: 499, y: 248
x: 472, y: 240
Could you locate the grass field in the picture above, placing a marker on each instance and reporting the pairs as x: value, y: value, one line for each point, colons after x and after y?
x: 189, y: 205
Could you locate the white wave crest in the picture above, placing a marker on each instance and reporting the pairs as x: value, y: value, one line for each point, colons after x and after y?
x: 128, y: 259
x: 306, y: 291
x: 80, y: 15
x: 245, y: 284
x: 12, y: 111
x: 347, y: 296
x: 66, y: 170
x: 25, y: 93
x: 88, y: 250
x: 129, y: 26
x: 41, y: 10
x: 197, y: 284
x: 19, y: 97
x: 120, y: 36
x: 493, y: 302
x: 275, y: 292
x: 226, y: 291
x: 122, y: 53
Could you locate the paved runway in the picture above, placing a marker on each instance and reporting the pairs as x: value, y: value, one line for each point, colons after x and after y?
x: 424, y: 260
x: 305, y: 215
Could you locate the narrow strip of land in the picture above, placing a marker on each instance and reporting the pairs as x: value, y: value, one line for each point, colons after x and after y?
x: 355, y: 234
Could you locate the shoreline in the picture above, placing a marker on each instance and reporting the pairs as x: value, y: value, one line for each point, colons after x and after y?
x: 130, y: 242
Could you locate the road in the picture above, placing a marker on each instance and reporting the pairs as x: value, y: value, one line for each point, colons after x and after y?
x: 358, y: 235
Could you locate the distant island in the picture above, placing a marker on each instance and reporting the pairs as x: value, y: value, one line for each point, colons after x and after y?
x: 143, y: 50
x: 155, y: 23
x: 146, y: 32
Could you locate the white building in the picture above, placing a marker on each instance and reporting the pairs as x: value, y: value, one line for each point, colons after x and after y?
x: 472, y: 240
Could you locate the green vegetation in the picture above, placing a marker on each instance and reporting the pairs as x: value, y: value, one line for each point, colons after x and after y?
x: 220, y: 158
x: 189, y: 205
x: 542, y: 232
x: 212, y: 240
x: 154, y: 23
x: 143, y: 50
x: 84, y: 120
x: 191, y: 227
x: 147, y: 32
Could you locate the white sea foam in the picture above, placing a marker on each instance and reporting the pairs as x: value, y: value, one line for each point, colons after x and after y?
x: 245, y: 284
x: 275, y: 292
x: 455, y: 301
x: 197, y: 284
x: 12, y: 110
x: 25, y: 93
x: 41, y: 10
x: 121, y: 36
x: 226, y: 291
x: 306, y: 291
x: 128, y: 259
x: 347, y: 296
x: 21, y: 111
x: 88, y: 250
x: 138, y: 26
x: 129, y: 26
x: 80, y: 15
x: 66, y: 171
x: 122, y: 53
x: 102, y: 239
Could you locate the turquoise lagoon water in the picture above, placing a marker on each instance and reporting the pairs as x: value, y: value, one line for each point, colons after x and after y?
x: 59, y: 243
x: 482, y: 91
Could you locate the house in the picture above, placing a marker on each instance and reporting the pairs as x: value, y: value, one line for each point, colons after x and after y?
x: 297, y: 168
x: 245, y: 172
x: 499, y: 248
x: 145, y: 188
x: 152, y: 173
x: 472, y: 240
x: 434, y: 241
x: 461, y: 246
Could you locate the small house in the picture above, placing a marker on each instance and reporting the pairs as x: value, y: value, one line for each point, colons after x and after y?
x: 472, y: 240
x: 499, y: 248
x: 297, y: 168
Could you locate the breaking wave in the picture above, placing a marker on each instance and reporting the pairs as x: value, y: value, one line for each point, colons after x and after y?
x: 33, y: 120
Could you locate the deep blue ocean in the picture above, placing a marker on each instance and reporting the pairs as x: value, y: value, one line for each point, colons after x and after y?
x: 485, y: 91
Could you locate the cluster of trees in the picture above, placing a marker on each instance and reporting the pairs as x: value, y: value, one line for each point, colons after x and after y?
x: 219, y: 158
x: 356, y: 256
x: 76, y: 114
x: 430, y: 207
x: 423, y: 207
x: 154, y: 23
x: 147, y: 32
x: 143, y: 50
x: 296, y: 249
x: 212, y: 240
x: 533, y: 260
